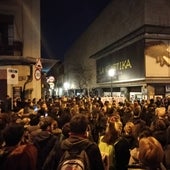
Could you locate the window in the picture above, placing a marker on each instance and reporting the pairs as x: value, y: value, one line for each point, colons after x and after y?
x: 6, y: 34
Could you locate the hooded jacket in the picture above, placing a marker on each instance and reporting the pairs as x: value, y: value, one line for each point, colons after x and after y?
x: 80, y: 142
x: 44, y: 142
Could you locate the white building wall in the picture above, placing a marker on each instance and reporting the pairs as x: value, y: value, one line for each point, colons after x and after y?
x: 31, y: 33
x: 26, y: 30
x: 31, y: 36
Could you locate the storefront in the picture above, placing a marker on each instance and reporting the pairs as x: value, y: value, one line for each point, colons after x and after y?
x: 142, y: 70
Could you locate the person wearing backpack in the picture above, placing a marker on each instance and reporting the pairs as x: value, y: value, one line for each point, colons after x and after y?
x: 44, y: 141
x: 77, y: 151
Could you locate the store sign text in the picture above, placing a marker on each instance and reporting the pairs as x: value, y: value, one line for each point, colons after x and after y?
x: 119, y: 66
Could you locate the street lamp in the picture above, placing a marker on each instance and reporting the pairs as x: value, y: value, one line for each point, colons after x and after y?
x: 111, y: 74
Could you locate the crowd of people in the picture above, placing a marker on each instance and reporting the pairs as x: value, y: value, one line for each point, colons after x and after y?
x: 115, y: 135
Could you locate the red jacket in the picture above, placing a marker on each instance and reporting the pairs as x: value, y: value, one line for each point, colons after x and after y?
x: 24, y: 157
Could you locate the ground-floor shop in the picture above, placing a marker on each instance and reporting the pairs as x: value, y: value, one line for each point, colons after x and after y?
x: 139, y: 66
x: 138, y: 92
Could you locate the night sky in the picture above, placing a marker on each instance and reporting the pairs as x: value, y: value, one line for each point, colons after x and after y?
x: 63, y: 21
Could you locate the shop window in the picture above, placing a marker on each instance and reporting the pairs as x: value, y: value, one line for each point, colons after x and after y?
x: 159, y: 90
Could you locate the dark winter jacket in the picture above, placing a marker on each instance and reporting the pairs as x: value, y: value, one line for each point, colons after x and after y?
x: 122, y: 153
x: 91, y: 149
x: 23, y: 157
x: 44, y: 142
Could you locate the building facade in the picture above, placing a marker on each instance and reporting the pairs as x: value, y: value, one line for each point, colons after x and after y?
x: 132, y: 37
x: 20, y: 48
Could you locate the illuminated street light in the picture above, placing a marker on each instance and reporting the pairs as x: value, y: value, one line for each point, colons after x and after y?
x: 111, y: 74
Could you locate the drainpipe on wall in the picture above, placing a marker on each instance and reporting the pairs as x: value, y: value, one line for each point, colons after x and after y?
x: 29, y: 79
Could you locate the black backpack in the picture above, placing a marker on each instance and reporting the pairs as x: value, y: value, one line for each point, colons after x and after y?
x: 44, y: 147
x: 74, y: 159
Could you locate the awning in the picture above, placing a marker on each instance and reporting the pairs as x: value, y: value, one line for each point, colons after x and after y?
x: 47, y: 64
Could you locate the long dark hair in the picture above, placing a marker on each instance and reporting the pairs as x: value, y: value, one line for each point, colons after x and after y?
x: 111, y: 134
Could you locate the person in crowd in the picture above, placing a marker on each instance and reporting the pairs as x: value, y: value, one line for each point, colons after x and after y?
x: 64, y: 114
x: 43, y: 111
x: 160, y: 114
x: 144, y: 106
x: 128, y: 134
x: 55, y: 129
x: 50, y: 162
x: 128, y: 127
x: 158, y: 129
x: 163, y: 116
x: 139, y: 124
x: 151, y: 153
x: 167, y: 149
x: 120, y: 108
x: 17, y: 104
x: 5, y: 120
x: 35, y: 105
x: 44, y: 141
x: 121, y: 145
x: 7, y: 105
x: 134, y: 152
x: 78, y: 140
x: 33, y: 128
x: 106, y: 146
x: 65, y: 131
x: 102, y: 122
x: 26, y: 110
x: 14, y: 155
x: 150, y: 112
x: 96, y: 125
x: 160, y: 124
x: 127, y: 113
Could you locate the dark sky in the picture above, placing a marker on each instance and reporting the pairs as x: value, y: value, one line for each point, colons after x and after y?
x: 62, y: 22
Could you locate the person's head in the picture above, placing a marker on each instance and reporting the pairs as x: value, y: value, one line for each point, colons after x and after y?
x: 158, y: 124
x: 119, y: 127
x: 151, y: 153
x: 110, y: 109
x: 34, y: 120
x: 146, y: 132
x: 137, y: 111
x: 45, y: 123
x: 111, y: 134
x: 66, y: 129
x: 13, y: 134
x: 115, y: 117
x: 54, y: 124
x: 128, y: 128
x: 79, y: 124
x: 160, y: 111
x: 44, y: 106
